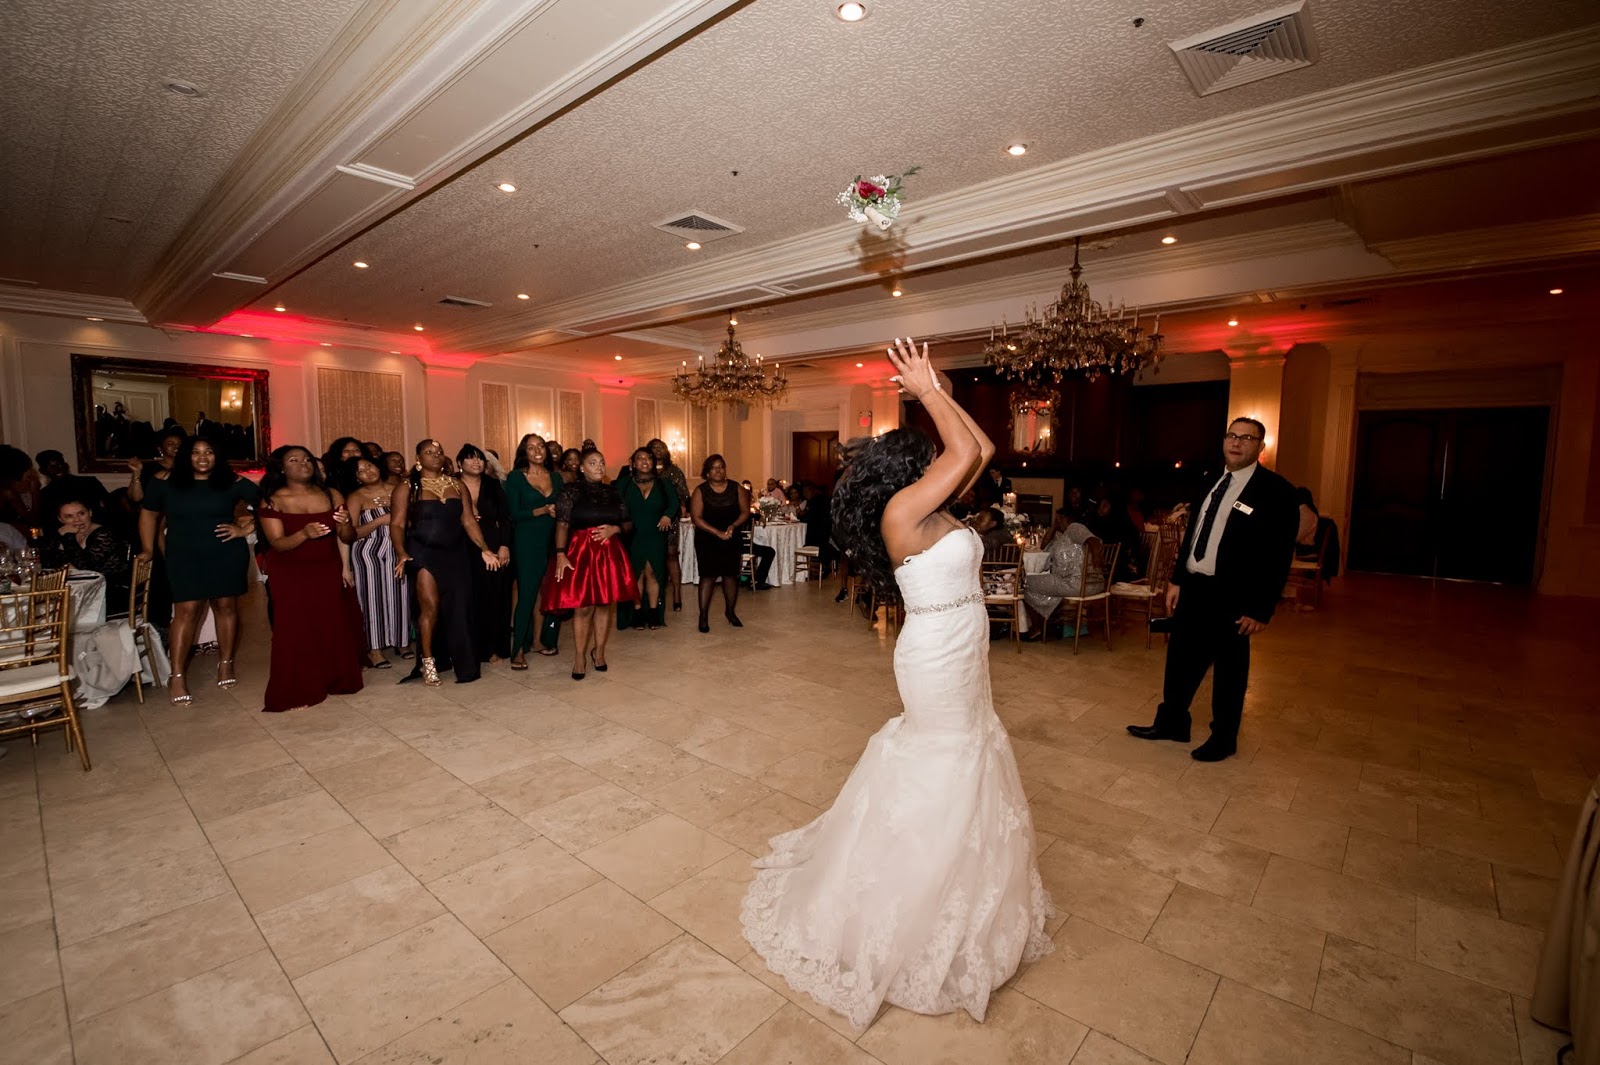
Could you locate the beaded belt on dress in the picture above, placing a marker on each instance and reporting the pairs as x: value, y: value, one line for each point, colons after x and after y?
x: 940, y: 608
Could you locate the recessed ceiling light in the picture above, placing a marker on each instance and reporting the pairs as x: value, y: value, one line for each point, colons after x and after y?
x: 851, y: 12
x: 394, y: 353
x: 617, y: 357
x: 280, y: 307
x: 1233, y: 321
x: 359, y: 265
x: 523, y: 296
x: 182, y: 88
x: 693, y: 245
x: 1169, y: 239
x: 1017, y: 149
x: 506, y: 186
x: 326, y: 344
x: 1557, y: 291
x: 418, y: 327
x: 94, y: 319
x: 859, y: 365
x: 247, y: 334
x: 896, y: 292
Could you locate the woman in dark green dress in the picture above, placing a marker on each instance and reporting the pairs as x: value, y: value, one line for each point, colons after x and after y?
x: 207, y: 507
x: 652, y: 503
x: 531, y: 490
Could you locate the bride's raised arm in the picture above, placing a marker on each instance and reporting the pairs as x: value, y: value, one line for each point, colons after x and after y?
x: 964, y: 449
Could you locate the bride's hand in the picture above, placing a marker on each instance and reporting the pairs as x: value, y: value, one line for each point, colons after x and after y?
x: 914, y: 370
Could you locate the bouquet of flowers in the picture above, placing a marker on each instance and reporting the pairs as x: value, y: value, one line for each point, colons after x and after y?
x: 770, y: 508
x: 876, y: 200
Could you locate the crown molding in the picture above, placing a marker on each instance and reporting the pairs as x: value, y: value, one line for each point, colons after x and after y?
x: 68, y: 305
x: 1445, y: 111
x: 1524, y: 242
x: 414, y: 91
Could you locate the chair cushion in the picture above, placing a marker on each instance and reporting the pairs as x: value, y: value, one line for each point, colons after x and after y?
x: 811, y: 552
x: 1132, y: 591
x: 31, y: 680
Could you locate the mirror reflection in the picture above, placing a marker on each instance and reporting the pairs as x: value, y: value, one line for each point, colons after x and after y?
x: 124, y: 405
x: 1033, y: 425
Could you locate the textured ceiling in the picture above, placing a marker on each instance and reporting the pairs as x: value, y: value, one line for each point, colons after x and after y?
x: 798, y: 102
x: 88, y: 133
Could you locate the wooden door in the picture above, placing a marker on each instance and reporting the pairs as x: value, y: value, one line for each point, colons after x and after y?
x: 1450, y: 493
x: 813, y: 457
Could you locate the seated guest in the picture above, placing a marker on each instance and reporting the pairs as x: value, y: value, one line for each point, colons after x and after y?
x: 19, y: 492
x: 1307, y: 534
x: 990, y: 524
x: 64, y: 485
x: 1063, y: 572
x: 964, y: 505
x: 762, y: 556
x: 796, y: 500
x: 82, y: 544
x: 1110, y: 523
x: 774, y: 490
x: 992, y: 488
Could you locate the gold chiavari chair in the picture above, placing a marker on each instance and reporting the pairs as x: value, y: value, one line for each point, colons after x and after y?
x: 35, y: 674
x: 1098, y: 566
x: 1001, y: 580
x: 138, y: 622
x: 1148, y: 597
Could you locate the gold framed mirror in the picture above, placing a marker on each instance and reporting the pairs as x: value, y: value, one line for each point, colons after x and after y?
x: 122, y: 406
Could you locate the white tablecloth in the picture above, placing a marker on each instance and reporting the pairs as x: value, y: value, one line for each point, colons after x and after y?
x: 785, y: 538
x: 102, y: 653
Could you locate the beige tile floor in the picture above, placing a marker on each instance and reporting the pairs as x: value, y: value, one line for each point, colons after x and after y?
x: 528, y: 869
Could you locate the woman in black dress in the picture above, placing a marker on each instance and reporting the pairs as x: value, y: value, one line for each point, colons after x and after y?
x: 719, y: 509
x: 430, y: 522
x: 491, y: 588
x: 208, y: 516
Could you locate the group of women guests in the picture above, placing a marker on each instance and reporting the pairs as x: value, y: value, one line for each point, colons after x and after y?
x: 365, y: 553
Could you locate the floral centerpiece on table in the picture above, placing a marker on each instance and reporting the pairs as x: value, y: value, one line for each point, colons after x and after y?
x: 770, y: 508
x: 876, y: 200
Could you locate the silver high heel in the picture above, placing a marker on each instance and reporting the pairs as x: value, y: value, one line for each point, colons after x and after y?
x: 178, y: 700
x: 430, y: 673
x: 231, y: 681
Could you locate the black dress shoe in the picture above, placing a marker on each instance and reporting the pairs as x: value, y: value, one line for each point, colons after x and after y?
x: 1213, y: 750
x: 1159, y: 732
x: 733, y: 619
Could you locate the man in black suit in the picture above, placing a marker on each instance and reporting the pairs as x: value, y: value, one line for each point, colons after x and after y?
x: 65, y: 486
x: 992, y: 488
x: 1230, y: 573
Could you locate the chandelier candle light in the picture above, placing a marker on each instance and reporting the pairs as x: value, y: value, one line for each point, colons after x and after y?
x: 876, y: 200
x: 732, y: 377
x: 1073, y: 335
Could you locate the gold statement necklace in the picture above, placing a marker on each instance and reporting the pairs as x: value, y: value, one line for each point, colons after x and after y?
x: 437, y: 485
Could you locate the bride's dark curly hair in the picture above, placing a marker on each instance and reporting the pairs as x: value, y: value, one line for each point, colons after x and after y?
x: 875, y: 469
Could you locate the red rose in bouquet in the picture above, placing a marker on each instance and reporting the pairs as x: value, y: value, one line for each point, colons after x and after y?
x: 868, y: 191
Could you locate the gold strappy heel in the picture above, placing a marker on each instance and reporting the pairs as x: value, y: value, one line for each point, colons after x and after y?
x: 178, y: 700
x: 231, y: 681
x: 430, y: 673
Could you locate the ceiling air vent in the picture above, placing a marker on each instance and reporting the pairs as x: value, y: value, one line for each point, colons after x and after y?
x: 698, y: 226
x: 1273, y: 42
x: 462, y: 301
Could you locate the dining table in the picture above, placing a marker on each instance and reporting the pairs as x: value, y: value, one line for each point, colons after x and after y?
x: 784, y: 537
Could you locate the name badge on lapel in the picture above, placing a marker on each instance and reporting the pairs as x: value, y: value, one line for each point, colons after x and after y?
x: 1242, y: 508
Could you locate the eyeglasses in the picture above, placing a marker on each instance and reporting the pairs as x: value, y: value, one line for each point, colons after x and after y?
x: 1243, y: 438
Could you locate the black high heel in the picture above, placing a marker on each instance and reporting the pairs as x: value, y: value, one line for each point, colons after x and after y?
x: 705, y: 626
x: 676, y: 607
x: 599, y: 666
x: 579, y: 676
x: 733, y: 619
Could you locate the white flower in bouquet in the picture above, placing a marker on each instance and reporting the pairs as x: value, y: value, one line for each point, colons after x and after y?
x: 769, y: 507
x: 876, y: 200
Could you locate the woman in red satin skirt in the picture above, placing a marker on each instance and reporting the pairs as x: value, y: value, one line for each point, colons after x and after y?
x: 591, y: 574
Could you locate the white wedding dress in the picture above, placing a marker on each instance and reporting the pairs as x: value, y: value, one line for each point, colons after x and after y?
x: 919, y: 886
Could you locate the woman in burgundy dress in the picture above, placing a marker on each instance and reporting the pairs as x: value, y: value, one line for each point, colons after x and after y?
x: 316, y: 633
x: 591, y: 574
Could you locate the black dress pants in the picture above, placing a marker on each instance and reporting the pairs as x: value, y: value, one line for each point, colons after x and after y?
x: 764, y: 558
x: 1205, y: 635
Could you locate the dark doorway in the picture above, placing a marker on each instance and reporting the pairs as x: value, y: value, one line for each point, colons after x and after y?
x: 1450, y: 493
x: 813, y: 457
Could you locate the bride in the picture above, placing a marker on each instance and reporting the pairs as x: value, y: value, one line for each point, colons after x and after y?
x: 919, y: 886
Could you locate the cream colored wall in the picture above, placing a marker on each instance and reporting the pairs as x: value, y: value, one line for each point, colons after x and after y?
x: 1325, y: 458
x: 35, y: 372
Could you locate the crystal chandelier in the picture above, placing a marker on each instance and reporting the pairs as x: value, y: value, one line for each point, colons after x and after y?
x: 1073, y: 335
x: 732, y: 377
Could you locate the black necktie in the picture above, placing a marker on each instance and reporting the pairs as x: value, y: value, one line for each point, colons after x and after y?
x: 1211, y: 517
